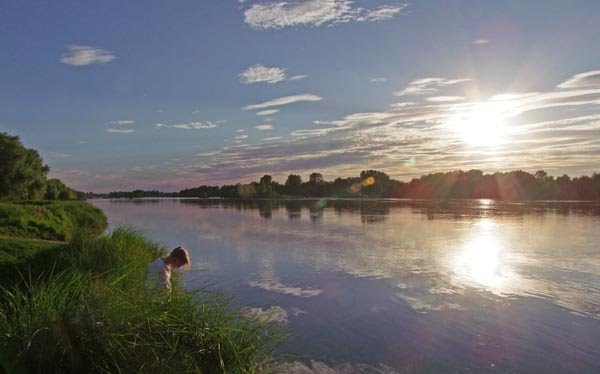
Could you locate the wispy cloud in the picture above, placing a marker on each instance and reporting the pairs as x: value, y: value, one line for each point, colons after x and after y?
x: 81, y: 55
x: 263, y: 74
x: 123, y: 122
x: 382, y: 13
x: 481, y: 41
x: 297, y: 77
x: 378, y: 80
x: 590, y: 79
x: 260, y: 73
x: 240, y: 137
x: 427, y: 85
x: 264, y: 127
x: 277, y: 15
x: 283, y: 101
x: 440, y: 99
x: 267, y: 112
x: 120, y: 131
x: 191, y: 126
x: 421, y: 132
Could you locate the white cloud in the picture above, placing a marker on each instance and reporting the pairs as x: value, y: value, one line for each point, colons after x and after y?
x: 121, y: 131
x: 240, y: 137
x: 383, y: 13
x: 283, y: 101
x: 481, y: 41
x: 260, y: 73
x: 81, y: 55
x: 427, y: 85
x: 277, y: 15
x: 267, y: 112
x: 192, y: 125
x: 378, y: 80
x: 590, y: 79
x: 123, y: 122
x: 297, y: 77
x: 272, y: 138
x: 440, y: 99
x: 241, y: 130
x: 264, y: 74
x: 264, y: 127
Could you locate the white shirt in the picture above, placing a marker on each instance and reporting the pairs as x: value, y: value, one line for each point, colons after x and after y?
x: 159, y: 275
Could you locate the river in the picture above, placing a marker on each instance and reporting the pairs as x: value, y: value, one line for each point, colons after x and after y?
x: 385, y: 286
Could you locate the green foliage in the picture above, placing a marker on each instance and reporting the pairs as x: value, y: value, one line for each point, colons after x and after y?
x: 51, y: 220
x: 57, y: 190
x: 97, y: 316
x: 22, y: 172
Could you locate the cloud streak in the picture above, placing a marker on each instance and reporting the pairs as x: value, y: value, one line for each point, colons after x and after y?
x: 423, y: 133
x: 191, y: 126
x: 283, y: 101
x: 583, y: 80
x: 264, y: 127
x: 82, y: 55
x: 428, y: 85
x: 120, y: 131
x: 122, y: 122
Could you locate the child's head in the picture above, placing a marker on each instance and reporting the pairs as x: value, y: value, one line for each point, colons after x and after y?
x: 179, y: 257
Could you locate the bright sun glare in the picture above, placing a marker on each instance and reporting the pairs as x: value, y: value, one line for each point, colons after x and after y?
x: 481, y: 125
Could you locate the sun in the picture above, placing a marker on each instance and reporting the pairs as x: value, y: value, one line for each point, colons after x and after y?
x: 482, y: 124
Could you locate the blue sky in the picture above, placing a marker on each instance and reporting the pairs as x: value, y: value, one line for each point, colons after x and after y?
x: 170, y: 95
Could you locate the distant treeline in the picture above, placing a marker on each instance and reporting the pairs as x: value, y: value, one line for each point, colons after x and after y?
x: 473, y: 184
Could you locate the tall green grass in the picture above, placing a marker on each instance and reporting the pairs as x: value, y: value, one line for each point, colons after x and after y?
x: 19, y: 257
x: 98, y: 316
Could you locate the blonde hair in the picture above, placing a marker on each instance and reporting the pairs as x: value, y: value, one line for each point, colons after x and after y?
x: 181, y: 255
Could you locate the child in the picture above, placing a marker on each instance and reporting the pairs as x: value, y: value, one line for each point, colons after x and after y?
x: 159, y: 271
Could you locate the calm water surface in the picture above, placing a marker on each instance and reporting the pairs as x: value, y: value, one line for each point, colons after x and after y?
x: 396, y: 286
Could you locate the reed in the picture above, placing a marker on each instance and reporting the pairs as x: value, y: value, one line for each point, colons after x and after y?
x: 97, y: 316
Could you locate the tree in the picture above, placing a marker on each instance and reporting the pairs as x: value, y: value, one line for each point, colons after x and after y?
x: 293, y: 184
x: 540, y: 175
x: 22, y: 172
x: 315, y: 178
x: 375, y: 183
x: 57, y: 190
x: 264, y: 187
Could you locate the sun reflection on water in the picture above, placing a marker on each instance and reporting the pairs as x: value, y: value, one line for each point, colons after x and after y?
x: 481, y: 259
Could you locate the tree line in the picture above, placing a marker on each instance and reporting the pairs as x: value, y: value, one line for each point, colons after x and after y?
x: 473, y: 184
x: 23, y: 175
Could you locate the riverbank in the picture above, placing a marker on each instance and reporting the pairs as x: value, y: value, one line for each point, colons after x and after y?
x: 80, y: 304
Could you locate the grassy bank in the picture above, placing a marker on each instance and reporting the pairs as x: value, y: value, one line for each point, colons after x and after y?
x: 50, y: 220
x: 33, y: 234
x: 93, y: 313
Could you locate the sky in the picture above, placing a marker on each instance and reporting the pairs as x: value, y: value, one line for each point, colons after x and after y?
x: 122, y: 95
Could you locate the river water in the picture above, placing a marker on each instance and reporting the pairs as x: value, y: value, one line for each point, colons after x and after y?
x: 384, y: 286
